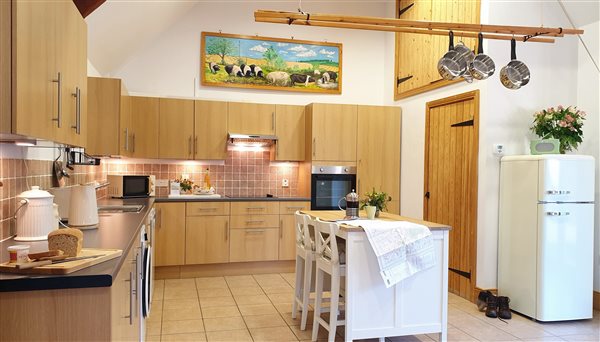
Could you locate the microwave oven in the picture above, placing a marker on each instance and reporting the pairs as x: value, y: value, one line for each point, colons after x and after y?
x: 129, y: 186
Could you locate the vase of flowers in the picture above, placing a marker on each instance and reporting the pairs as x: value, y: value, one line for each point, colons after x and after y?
x: 564, y: 124
x: 376, y: 199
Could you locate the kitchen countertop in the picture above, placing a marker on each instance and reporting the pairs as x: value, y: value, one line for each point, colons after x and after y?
x: 234, y: 199
x: 335, y: 215
x: 115, y: 230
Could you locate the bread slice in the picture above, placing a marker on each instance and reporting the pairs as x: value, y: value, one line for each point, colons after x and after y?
x: 68, y: 240
x: 48, y: 254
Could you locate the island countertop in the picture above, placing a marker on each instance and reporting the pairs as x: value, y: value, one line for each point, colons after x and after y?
x: 337, y: 215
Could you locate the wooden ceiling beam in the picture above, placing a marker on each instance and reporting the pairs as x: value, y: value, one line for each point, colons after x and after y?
x: 86, y: 7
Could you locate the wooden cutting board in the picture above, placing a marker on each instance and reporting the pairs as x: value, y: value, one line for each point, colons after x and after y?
x: 67, y: 267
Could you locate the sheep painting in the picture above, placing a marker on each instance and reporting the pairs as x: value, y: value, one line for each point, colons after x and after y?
x: 270, y: 63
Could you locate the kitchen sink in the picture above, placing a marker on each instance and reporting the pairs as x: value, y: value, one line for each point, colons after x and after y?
x: 128, y: 208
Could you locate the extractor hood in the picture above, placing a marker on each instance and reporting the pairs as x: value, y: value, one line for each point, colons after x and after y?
x: 251, y: 139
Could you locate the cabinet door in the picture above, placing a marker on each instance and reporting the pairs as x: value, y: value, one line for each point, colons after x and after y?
x: 144, y: 123
x: 82, y: 131
x: 176, y: 129
x: 207, y: 240
x: 125, y: 130
x: 254, y: 244
x: 210, y: 129
x: 170, y: 234
x: 287, y: 237
x: 104, y: 102
x: 334, y: 130
x: 251, y: 118
x: 35, y: 94
x: 378, y: 164
x: 290, y: 131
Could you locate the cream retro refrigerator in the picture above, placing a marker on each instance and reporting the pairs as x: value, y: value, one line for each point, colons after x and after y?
x: 546, y: 235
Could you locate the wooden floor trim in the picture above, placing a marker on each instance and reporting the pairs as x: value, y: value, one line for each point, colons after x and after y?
x: 216, y: 270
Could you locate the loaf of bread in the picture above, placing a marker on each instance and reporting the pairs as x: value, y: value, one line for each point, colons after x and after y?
x: 68, y: 240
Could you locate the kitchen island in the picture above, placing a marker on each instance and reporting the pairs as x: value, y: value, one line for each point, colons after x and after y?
x: 416, y: 305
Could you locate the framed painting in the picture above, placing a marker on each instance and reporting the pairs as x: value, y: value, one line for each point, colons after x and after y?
x: 253, y: 62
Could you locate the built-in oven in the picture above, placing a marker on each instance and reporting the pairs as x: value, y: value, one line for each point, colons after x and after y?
x: 329, y: 184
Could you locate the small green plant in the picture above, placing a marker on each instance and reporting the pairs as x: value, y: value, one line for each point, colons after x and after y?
x: 564, y: 124
x: 376, y: 199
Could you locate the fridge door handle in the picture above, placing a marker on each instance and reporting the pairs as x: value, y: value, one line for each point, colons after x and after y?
x: 558, y: 192
x: 558, y: 213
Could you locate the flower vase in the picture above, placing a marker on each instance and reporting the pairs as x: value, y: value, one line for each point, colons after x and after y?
x: 371, y: 211
x: 546, y: 146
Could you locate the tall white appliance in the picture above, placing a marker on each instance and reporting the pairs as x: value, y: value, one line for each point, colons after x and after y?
x: 546, y: 235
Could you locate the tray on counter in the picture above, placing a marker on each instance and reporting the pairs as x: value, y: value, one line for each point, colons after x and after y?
x: 200, y: 196
x: 67, y: 267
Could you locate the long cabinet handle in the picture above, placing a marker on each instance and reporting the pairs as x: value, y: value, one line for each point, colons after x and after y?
x: 255, y: 208
x: 314, y: 146
x: 298, y: 207
x: 206, y: 209
x: 253, y: 231
x: 77, y: 125
x: 195, y: 145
x: 280, y: 229
x: 190, y: 145
x: 133, y: 142
x: 127, y: 139
x: 254, y: 221
x: 131, y: 295
x: 58, y: 81
x: 226, y: 230
x: 273, y: 121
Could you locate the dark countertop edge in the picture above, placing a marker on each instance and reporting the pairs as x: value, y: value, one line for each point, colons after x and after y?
x: 57, y: 283
x: 233, y: 199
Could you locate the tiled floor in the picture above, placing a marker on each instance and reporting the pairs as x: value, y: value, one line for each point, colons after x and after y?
x: 258, y: 308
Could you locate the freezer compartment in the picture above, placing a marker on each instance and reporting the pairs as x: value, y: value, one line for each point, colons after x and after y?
x: 566, y: 180
x: 565, y: 261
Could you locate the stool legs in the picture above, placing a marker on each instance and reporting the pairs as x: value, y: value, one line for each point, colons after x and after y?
x: 308, y: 264
x: 333, y: 309
x: 318, y: 300
x: 298, y: 287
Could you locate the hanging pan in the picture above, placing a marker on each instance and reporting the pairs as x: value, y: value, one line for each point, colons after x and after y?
x: 515, y: 74
x: 483, y: 66
x: 452, y: 65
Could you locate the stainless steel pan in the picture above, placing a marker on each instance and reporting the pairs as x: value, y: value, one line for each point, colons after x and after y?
x: 515, y: 74
x: 482, y: 66
x: 453, y: 64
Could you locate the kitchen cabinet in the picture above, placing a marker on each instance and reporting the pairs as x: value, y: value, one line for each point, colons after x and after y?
x: 332, y: 131
x: 207, y: 208
x: 210, y: 130
x: 125, y: 323
x: 104, y: 111
x: 47, y: 77
x: 144, y: 124
x: 170, y: 234
x: 251, y: 118
x: 290, y: 129
x: 378, y: 151
x: 254, y: 244
x: 254, y: 208
x: 176, y: 129
x: 207, y: 239
x: 287, y: 228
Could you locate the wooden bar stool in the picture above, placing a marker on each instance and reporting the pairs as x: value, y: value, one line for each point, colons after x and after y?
x: 305, y: 259
x: 327, y: 259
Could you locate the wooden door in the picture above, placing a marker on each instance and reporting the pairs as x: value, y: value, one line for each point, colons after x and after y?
x: 378, y: 151
x: 290, y: 129
x: 251, y: 118
x: 334, y: 129
x: 35, y: 94
x: 210, y: 130
x: 170, y: 234
x: 104, y: 103
x: 144, y: 123
x: 125, y: 130
x: 451, y: 147
x: 207, y: 240
x: 176, y: 129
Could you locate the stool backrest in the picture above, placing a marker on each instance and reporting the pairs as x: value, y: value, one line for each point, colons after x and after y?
x: 303, y: 238
x: 326, y: 241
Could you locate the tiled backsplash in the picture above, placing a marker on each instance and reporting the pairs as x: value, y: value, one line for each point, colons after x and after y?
x: 242, y: 174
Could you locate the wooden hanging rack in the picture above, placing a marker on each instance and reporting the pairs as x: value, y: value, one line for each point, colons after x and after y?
x: 499, y: 32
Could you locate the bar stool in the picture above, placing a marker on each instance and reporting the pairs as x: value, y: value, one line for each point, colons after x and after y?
x: 305, y: 259
x: 327, y: 261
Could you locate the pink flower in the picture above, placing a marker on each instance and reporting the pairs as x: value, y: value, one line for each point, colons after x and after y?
x: 569, y: 118
x: 560, y: 107
x: 582, y: 114
x: 562, y: 123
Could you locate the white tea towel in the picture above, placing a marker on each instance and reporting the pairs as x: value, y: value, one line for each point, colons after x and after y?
x: 402, y: 248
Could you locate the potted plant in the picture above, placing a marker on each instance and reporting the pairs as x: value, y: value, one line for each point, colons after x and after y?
x: 186, y: 185
x: 376, y: 199
x: 564, y: 124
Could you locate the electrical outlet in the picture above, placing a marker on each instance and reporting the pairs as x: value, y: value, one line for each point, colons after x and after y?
x: 285, y: 183
x: 162, y: 182
x: 499, y: 149
x: 185, y: 176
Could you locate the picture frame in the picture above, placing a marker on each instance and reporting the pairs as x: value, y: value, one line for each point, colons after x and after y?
x: 270, y: 63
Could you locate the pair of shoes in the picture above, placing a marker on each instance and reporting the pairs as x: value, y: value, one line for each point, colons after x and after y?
x: 482, y: 300
x: 497, y: 307
x: 503, y: 308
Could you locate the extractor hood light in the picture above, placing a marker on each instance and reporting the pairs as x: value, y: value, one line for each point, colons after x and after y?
x: 21, y: 142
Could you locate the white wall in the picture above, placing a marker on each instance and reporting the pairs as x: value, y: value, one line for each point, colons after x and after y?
x: 169, y: 66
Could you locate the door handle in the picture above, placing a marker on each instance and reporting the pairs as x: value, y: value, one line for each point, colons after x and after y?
x: 273, y: 121
x: 558, y: 192
x: 126, y: 139
x: 133, y: 143
x: 226, y: 230
x: 195, y: 145
x: 280, y: 229
x: 58, y: 81
x: 314, y: 146
x: 190, y: 145
x: 77, y: 95
x: 558, y: 213
x: 253, y: 231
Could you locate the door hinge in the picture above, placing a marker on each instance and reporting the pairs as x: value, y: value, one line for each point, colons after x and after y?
x: 427, y: 195
x: 402, y: 10
x: 464, y: 123
x: 460, y: 273
x: 403, y: 79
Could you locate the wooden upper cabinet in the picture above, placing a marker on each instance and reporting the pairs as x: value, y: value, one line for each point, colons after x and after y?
x: 170, y: 234
x: 334, y: 131
x: 290, y: 128
x: 104, y: 108
x: 176, y: 129
x: 210, y: 130
x: 251, y: 118
x: 144, y: 124
x: 378, y: 156
x: 417, y: 55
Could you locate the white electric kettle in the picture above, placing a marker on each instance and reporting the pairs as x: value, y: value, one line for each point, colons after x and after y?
x: 35, y: 215
x: 83, y: 209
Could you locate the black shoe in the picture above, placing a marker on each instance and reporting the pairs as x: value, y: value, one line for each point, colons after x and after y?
x: 503, y: 309
x: 491, y: 309
x: 482, y: 299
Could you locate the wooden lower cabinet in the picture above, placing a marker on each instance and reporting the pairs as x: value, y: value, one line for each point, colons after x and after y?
x: 170, y: 234
x: 124, y: 301
x: 254, y: 244
x: 206, y: 239
x: 287, y: 229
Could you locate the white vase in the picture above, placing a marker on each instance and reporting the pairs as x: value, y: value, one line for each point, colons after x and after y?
x: 371, y: 210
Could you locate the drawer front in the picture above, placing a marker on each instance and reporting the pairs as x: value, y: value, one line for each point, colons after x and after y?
x: 289, y: 208
x: 207, y: 208
x: 254, y: 245
x: 254, y: 208
x: 255, y: 221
